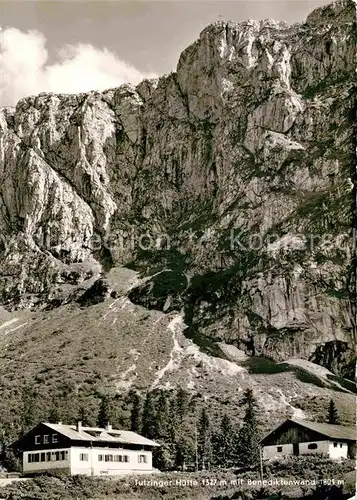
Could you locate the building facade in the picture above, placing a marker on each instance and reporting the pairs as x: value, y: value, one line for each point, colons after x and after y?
x: 91, y: 451
x: 301, y: 437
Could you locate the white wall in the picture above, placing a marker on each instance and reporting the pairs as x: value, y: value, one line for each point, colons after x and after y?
x: 47, y: 465
x: 272, y: 451
x: 323, y: 447
x: 97, y: 468
x: 78, y: 466
x: 92, y: 466
x: 339, y: 451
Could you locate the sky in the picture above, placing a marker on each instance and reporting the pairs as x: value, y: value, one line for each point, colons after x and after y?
x: 80, y: 45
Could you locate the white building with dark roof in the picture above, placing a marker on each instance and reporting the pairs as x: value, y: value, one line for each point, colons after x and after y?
x: 93, y: 451
x: 302, y: 437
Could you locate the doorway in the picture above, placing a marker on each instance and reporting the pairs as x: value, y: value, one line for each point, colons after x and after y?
x: 296, y: 448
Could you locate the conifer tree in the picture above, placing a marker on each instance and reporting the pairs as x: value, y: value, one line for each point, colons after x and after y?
x: 136, y: 413
x: 163, y: 457
x: 176, y: 431
x: 180, y: 455
x: 9, y: 459
x: 174, y: 427
x: 163, y: 416
x: 225, y: 442
x: 103, y: 414
x: 204, y: 440
x: 184, y: 452
x: 332, y: 413
x: 182, y: 401
x: 149, y: 417
x: 248, y: 436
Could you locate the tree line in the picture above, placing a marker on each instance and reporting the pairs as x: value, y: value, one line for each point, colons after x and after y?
x: 178, y: 420
x: 187, y: 435
x: 182, y: 426
x: 190, y: 436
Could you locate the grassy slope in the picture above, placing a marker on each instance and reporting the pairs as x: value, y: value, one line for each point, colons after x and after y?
x: 70, y: 356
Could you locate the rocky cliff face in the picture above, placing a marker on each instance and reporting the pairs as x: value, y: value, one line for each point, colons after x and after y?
x: 227, y: 184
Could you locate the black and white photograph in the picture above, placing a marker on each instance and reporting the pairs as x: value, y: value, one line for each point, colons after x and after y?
x: 178, y: 259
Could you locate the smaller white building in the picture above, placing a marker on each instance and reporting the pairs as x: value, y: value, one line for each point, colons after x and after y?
x: 301, y: 437
x: 92, y: 451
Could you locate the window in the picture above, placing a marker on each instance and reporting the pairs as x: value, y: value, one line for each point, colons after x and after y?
x: 46, y: 438
x: 54, y: 438
x: 47, y: 456
x: 279, y: 449
x: 37, y: 439
x: 114, y: 458
x: 340, y: 445
x: 335, y: 445
x: 52, y: 456
x: 312, y: 446
x: 83, y: 457
x: 143, y: 459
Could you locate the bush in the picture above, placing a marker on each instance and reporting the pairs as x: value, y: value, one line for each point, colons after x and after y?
x: 10, y: 461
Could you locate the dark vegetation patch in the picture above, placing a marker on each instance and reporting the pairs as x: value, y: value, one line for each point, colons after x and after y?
x: 323, y: 211
x: 192, y: 215
x: 149, y: 262
x: 98, y: 292
x: 206, y: 344
x: 261, y: 365
x: 162, y: 292
x: 308, y: 378
x: 320, y: 87
x: 349, y: 385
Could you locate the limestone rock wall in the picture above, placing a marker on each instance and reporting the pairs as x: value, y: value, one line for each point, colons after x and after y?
x: 240, y: 158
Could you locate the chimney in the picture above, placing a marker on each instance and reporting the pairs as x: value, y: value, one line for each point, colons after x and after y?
x: 108, y: 427
x: 79, y: 426
x: 59, y: 423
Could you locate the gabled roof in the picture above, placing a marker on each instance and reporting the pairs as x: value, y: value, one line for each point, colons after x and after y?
x: 329, y: 430
x: 101, y: 434
x: 332, y: 431
x: 98, y: 434
x: 69, y: 431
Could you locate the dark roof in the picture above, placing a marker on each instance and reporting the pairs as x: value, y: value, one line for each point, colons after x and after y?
x: 329, y: 430
x: 338, y: 432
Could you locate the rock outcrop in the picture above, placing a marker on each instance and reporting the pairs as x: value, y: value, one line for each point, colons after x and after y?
x: 229, y: 179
